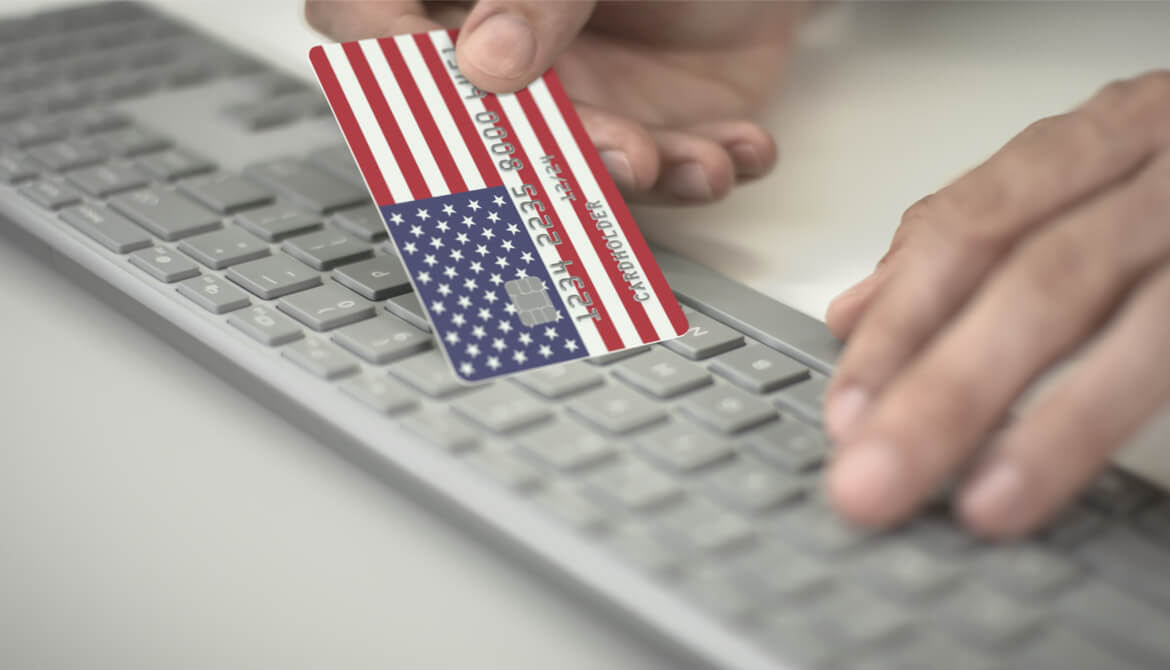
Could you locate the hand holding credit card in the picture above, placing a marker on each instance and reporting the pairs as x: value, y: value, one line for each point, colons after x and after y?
x: 516, y: 240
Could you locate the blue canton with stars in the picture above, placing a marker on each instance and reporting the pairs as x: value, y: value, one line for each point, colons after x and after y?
x: 460, y: 249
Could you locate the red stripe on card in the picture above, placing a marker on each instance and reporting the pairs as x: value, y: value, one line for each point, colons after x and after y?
x: 349, y: 127
x: 620, y: 211
x: 422, y: 116
x: 635, y: 309
x: 483, y: 161
x: 605, y: 327
x: 385, y: 118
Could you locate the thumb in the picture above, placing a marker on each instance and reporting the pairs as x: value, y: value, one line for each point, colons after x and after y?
x: 506, y: 44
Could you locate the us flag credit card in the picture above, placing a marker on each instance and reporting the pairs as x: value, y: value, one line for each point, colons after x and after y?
x: 516, y: 240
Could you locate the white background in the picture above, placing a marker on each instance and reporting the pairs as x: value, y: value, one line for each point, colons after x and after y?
x: 153, y: 517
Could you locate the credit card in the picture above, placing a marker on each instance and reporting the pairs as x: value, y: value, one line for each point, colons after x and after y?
x: 516, y: 240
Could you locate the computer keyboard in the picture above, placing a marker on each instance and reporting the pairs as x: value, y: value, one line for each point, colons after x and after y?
x: 211, y: 196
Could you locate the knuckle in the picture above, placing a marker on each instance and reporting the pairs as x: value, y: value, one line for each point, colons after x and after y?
x: 1058, y: 267
x: 1138, y: 103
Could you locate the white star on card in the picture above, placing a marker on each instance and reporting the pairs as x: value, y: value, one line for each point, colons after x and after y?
x: 409, y: 248
x: 448, y: 209
x: 545, y: 350
x: 438, y: 307
x: 550, y: 332
x: 396, y: 218
x: 493, y: 362
x: 570, y: 345
x: 424, y: 277
x: 416, y: 231
x: 498, y: 201
x: 525, y: 339
x: 452, y: 337
x: 466, y: 369
x: 444, y: 289
x: 467, y: 221
x: 423, y: 214
x: 512, y: 228
x: 473, y: 350
x: 519, y: 356
x: 474, y: 205
x: 526, y: 257
x: 493, y: 217
x: 443, y: 227
x: 478, y: 332
x: 430, y: 260
x: 498, y: 344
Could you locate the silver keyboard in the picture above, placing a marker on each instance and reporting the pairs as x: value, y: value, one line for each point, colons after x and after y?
x: 676, y: 482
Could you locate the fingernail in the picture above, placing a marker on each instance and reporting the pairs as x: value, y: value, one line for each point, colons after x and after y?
x: 869, y: 476
x: 844, y: 409
x: 997, y: 493
x: 688, y: 182
x: 618, y: 165
x: 502, y: 46
x: 748, y: 158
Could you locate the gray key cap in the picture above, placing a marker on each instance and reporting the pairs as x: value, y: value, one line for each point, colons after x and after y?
x: 364, y: 222
x: 758, y: 369
x: 276, y: 222
x: 131, y: 141
x: 226, y: 192
x: 700, y: 527
x: 714, y: 592
x: 564, y: 445
x: 797, y: 641
x: 645, y: 551
x: 785, y: 574
x: 105, y: 180
x: 683, y: 448
x: 938, y: 534
x: 986, y: 619
x: 321, y: 358
x: 752, y: 487
x: 705, y: 338
x: 381, y: 394
x: 1060, y: 650
x: 804, y: 399
x: 662, y: 373
x: 50, y: 194
x: 1118, y: 620
x: 429, y: 373
x: 408, y: 308
x: 501, y: 408
x: 905, y: 573
x: 818, y: 530
x: 558, y: 381
x: 338, y: 160
x: 16, y: 167
x: 616, y: 356
x: 1130, y: 562
x: 222, y: 248
x: 1074, y: 525
x: 791, y: 445
x: 308, y: 186
x: 30, y: 132
x: 505, y: 469
x: 1026, y: 571
x: 266, y: 325
x: 382, y: 339
x: 165, y: 213
x: 377, y: 278
x: 275, y: 276
x: 214, y: 294
x: 326, y: 307
x: 927, y: 651
x: 326, y: 249
x: 67, y: 154
x: 174, y: 164
x: 632, y: 486
x: 571, y: 509
x: 163, y: 264
x: 852, y: 619
x: 727, y: 409
x: 616, y: 409
x: 107, y: 228
x: 1118, y: 492
x: 441, y: 428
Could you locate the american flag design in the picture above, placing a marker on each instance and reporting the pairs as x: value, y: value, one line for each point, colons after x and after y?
x: 515, y: 237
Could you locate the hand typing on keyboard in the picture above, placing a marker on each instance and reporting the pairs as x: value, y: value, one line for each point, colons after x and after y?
x: 1060, y: 240
x: 625, y: 73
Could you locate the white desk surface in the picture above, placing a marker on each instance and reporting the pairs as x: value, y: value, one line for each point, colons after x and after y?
x: 153, y: 517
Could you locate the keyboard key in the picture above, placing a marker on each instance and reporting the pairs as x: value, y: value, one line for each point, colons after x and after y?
x: 226, y: 192
x: 126, y: 142
x: 758, y: 369
x: 818, y: 530
x: 505, y: 469
x: 926, y: 651
x: 727, y: 409
x: 632, y: 486
x: 559, y: 381
x: 377, y: 278
x: 705, y: 338
x: 804, y: 399
x: 222, y: 248
x: 429, y: 373
x: 108, y: 228
x: 645, y: 551
x: 1060, y: 650
x: 785, y: 574
x: 442, y: 429
x: 616, y: 409
x: 571, y: 509
x: 33, y: 131
x: 165, y: 213
x: 408, y: 308
x: 716, y: 593
x: 364, y: 222
x: 104, y: 180
x: 382, y: 339
x: 321, y: 358
x: 266, y: 325
x: 67, y: 154
x: 502, y: 408
x: 790, y: 445
x: 753, y: 488
x: 566, y: 446
x: 338, y: 160
x: 326, y: 249
x: 326, y: 307
x: 308, y: 186
x: 939, y: 534
x: 661, y: 373
x: 381, y: 394
x: 174, y: 164
x: 1117, y: 619
x: 681, y: 448
x: 51, y: 195
x: 16, y: 167
x: 273, y: 277
x: 905, y: 573
x: 214, y: 294
x: 1078, y: 523
x: 851, y: 619
x: 1131, y: 562
x: 1026, y: 571
x: 700, y: 527
x: 607, y: 359
x: 163, y: 264
x: 798, y: 642
x: 276, y: 222
x: 986, y: 619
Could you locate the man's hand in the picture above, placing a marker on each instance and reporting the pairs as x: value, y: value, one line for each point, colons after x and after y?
x: 663, y: 88
x: 1060, y: 239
